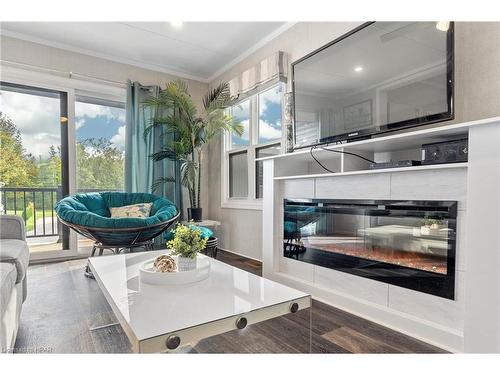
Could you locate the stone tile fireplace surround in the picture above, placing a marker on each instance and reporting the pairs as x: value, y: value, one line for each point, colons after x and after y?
x: 467, y: 323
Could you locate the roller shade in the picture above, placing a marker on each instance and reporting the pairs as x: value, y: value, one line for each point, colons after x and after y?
x: 270, y: 70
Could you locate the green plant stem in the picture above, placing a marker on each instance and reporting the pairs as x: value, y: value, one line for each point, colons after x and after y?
x: 190, y: 195
x: 199, y: 178
x: 193, y: 186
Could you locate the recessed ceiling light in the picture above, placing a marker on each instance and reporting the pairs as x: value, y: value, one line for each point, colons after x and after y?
x: 358, y: 69
x: 176, y: 24
x: 442, y: 25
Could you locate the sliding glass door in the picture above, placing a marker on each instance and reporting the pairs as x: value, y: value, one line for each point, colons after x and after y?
x: 34, y: 169
x: 100, y: 147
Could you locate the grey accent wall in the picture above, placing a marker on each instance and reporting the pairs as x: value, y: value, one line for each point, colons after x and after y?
x: 477, y: 93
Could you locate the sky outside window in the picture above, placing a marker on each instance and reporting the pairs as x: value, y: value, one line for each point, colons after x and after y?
x: 36, y: 117
x: 241, y: 114
x: 100, y: 121
x: 270, y: 114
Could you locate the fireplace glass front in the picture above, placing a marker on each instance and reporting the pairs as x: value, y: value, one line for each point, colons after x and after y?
x: 405, y: 243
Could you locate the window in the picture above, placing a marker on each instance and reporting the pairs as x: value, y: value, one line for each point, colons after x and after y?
x: 42, y: 129
x: 238, y: 175
x: 100, y: 144
x: 33, y: 155
x: 261, y: 117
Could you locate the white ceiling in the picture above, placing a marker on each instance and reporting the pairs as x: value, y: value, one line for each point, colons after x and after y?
x: 196, y: 50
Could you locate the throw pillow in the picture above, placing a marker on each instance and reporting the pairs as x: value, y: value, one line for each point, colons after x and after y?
x: 133, y: 210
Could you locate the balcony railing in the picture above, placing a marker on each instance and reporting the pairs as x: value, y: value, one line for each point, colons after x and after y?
x: 36, y: 207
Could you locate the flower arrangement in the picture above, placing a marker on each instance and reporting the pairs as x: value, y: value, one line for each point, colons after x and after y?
x: 187, y: 241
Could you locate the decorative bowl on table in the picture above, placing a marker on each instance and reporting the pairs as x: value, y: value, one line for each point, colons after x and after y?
x: 161, y: 271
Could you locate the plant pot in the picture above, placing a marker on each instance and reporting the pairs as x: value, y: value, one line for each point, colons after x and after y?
x: 194, y: 214
x: 186, y: 264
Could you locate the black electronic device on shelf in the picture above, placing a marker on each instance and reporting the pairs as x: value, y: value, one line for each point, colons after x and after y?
x: 454, y: 151
x: 395, y: 164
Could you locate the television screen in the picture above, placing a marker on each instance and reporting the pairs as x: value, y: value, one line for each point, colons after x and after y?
x: 382, y: 76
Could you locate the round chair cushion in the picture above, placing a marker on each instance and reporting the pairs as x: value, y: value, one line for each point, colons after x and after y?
x: 92, y: 209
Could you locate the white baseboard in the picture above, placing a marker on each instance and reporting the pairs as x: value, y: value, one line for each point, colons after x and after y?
x: 240, y: 254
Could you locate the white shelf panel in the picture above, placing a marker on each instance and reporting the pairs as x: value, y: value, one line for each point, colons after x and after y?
x: 375, y: 171
x: 394, y: 142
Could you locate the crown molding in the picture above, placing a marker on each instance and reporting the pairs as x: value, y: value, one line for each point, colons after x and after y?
x: 150, y: 66
x: 261, y: 43
x: 104, y: 56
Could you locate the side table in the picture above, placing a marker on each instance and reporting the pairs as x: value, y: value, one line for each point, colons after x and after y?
x: 213, y: 242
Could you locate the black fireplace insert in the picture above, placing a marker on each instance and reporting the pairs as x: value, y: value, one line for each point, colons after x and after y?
x: 410, y: 244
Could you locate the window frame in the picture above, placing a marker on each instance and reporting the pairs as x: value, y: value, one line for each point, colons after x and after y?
x: 251, y: 202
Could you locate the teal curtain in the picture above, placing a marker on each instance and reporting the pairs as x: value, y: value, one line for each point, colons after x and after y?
x: 140, y: 170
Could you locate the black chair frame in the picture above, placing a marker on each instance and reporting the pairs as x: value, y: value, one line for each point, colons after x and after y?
x: 100, y: 243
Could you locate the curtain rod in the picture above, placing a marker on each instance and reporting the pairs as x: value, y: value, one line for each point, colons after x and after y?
x: 63, y: 73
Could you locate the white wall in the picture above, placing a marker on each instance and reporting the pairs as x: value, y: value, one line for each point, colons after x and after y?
x: 477, y: 89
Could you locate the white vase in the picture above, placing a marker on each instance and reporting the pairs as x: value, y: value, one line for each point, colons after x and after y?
x: 186, y: 264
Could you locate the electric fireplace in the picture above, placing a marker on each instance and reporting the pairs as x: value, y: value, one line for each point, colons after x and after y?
x: 406, y: 243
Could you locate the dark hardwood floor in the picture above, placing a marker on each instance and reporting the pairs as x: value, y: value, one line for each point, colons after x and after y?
x: 239, y: 261
x: 63, y: 305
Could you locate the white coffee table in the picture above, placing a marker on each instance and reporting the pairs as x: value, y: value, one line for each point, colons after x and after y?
x: 163, y: 318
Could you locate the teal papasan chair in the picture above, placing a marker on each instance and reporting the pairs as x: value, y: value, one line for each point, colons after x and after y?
x: 89, y: 215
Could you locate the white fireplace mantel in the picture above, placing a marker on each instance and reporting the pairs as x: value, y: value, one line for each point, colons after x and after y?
x: 471, y: 323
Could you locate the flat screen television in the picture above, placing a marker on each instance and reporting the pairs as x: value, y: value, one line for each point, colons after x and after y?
x: 380, y: 77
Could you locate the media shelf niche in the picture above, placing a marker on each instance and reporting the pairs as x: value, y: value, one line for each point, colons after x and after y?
x: 385, y: 170
x: 402, y: 146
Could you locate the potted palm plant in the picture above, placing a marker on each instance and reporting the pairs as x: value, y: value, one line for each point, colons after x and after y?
x: 176, y: 112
